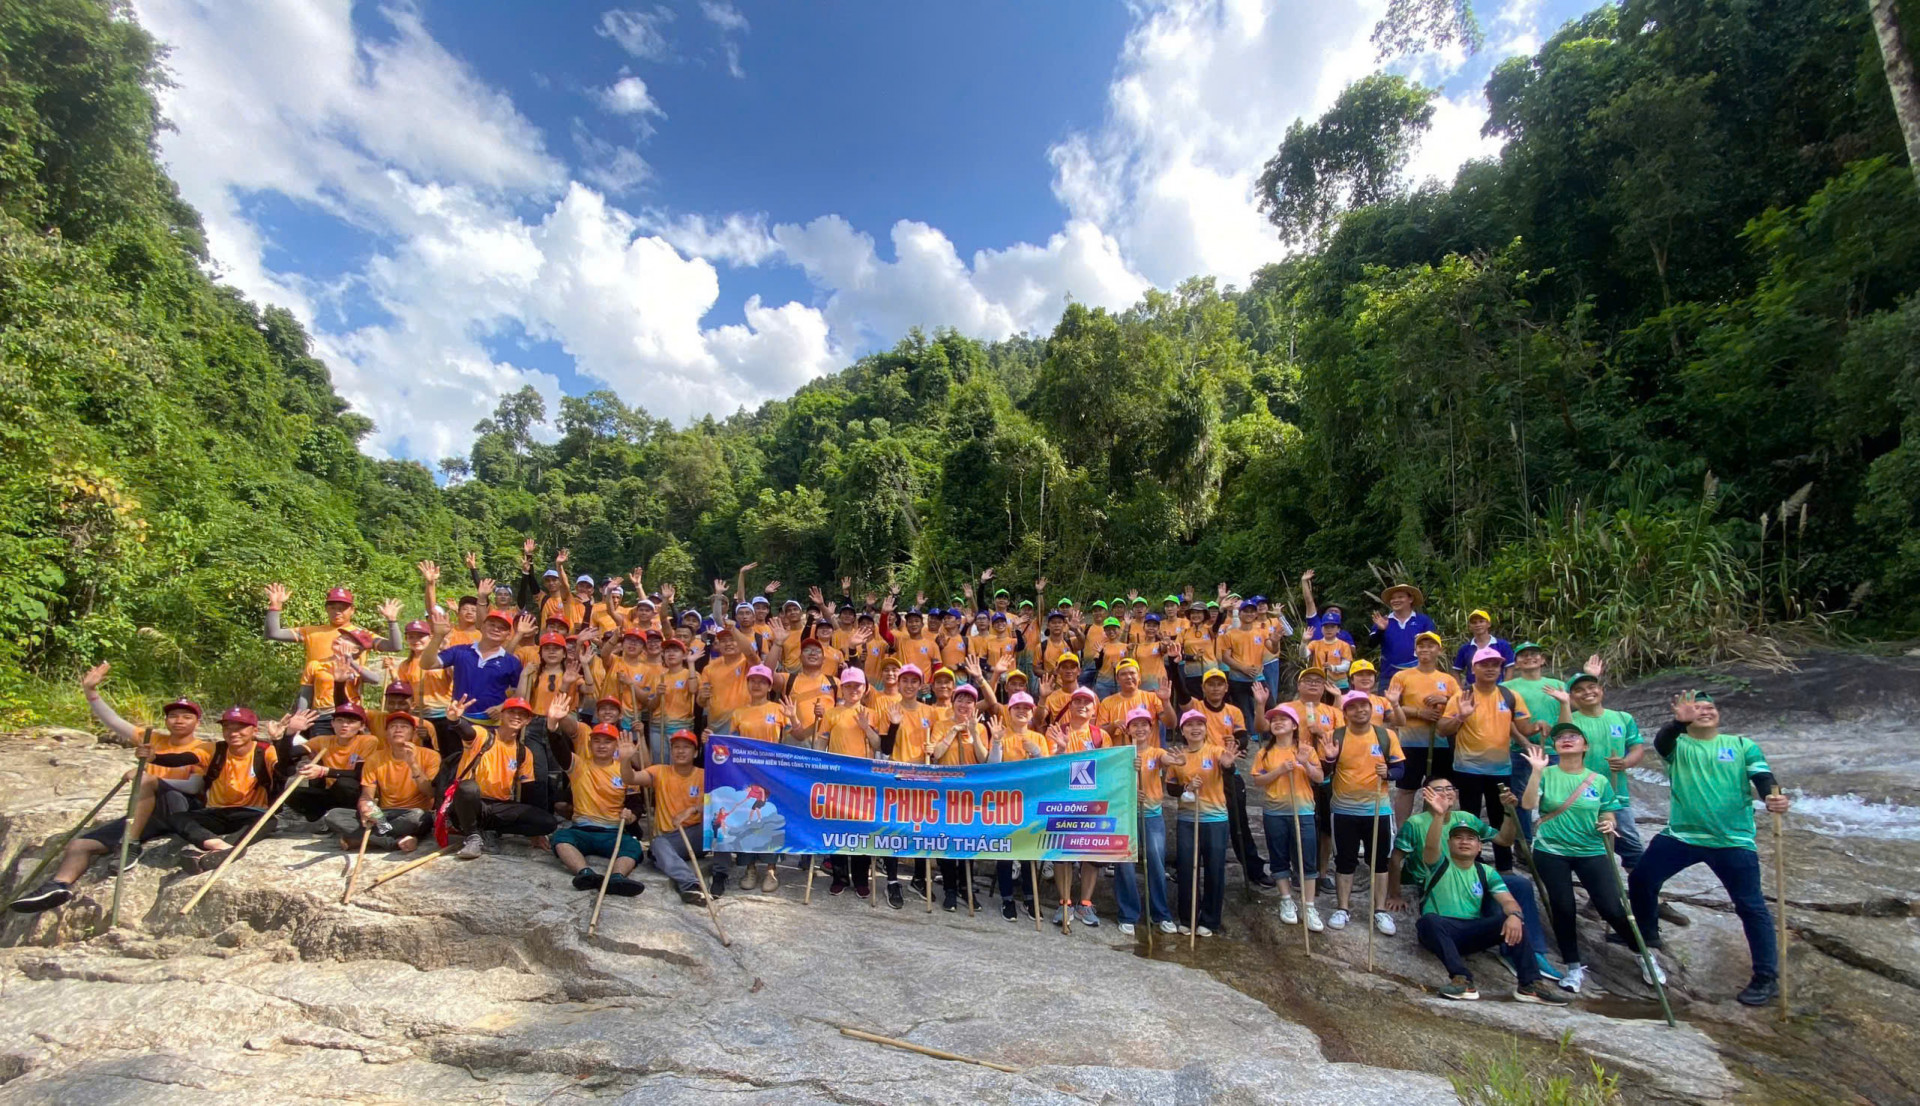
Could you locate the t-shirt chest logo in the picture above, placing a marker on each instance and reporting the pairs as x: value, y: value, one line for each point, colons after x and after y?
x: 616, y: 781
x: 693, y: 789
x: 1726, y: 756
x: 1374, y: 749
x: 1477, y: 889
x: 1591, y: 792
x: 1207, y: 763
x: 1616, y: 730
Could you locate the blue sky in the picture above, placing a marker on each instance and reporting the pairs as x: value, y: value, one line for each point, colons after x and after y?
x: 702, y: 204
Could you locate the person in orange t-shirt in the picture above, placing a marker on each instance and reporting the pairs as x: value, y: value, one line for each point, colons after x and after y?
x: 397, y: 793
x: 1289, y: 768
x: 242, y: 777
x: 332, y: 765
x: 599, y: 783
x: 679, y: 801
x: 494, y: 770
x: 1142, y: 728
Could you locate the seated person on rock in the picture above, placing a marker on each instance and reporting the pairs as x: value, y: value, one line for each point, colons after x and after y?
x: 174, y: 775
x: 599, y: 784
x: 397, y: 792
x: 679, y: 798
x: 494, y: 765
x: 243, y: 776
x: 1465, y: 907
x: 331, y: 765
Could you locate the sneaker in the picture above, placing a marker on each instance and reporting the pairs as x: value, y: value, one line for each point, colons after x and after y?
x: 1059, y: 916
x: 692, y: 896
x: 1383, y: 922
x: 1085, y: 916
x: 586, y: 879
x: 208, y: 861
x: 471, y: 848
x: 1460, y: 989
x: 1265, y: 882
x: 1760, y: 991
x: 1289, y: 912
x: 838, y: 886
x: 1126, y: 929
x: 894, y: 898
x: 1314, y: 924
x: 771, y: 882
x: 1009, y: 911
x: 1169, y: 927
x: 1324, y: 885
x: 950, y: 901
x: 1184, y: 931
x: 719, y: 884
x: 625, y: 886
x: 1574, y: 979
x: 47, y: 896
x: 862, y: 890
x: 753, y: 872
x: 1650, y: 977
x: 919, y: 886
x: 1546, y: 968
x: 1338, y: 920
x: 1541, y: 993
x: 1204, y: 931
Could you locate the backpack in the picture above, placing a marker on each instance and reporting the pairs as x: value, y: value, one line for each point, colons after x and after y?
x: 219, y: 761
x: 1479, y: 873
x: 441, y: 812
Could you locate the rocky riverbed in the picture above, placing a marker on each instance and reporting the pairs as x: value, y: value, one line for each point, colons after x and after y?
x: 476, y: 982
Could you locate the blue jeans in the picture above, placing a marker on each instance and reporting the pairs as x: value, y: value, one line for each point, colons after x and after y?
x: 1279, y: 827
x: 1521, y: 888
x: 1737, y: 869
x: 1126, y: 881
x: 1522, y: 772
x: 1270, y: 675
x: 1627, y: 841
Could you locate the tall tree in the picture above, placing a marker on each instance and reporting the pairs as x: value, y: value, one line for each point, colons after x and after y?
x: 1351, y: 157
x: 1901, y: 81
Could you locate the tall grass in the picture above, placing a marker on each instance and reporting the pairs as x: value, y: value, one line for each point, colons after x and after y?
x: 1509, y: 1081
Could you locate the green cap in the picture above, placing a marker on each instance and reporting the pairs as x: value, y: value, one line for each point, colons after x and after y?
x: 1174, y: 599
x: 998, y: 592
x: 1064, y: 603
x: 1526, y: 645
x: 1566, y: 727
x: 1579, y: 678
x: 1111, y: 622
x: 1100, y: 604
x: 1212, y: 605
x: 1024, y: 603
x: 1119, y: 601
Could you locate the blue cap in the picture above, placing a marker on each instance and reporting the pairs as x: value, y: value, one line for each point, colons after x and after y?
x: 1331, y: 618
x: 1151, y: 618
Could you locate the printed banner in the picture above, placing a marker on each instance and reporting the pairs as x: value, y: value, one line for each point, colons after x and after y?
x: 768, y: 798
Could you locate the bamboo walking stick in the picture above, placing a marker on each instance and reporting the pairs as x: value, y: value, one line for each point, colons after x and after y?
x: 606, y: 877
x: 1300, y: 881
x: 862, y: 1035
x: 812, y: 863
x: 252, y: 831
x: 126, y: 838
x: 57, y: 850
x: 1033, y: 869
x: 1193, y: 911
x: 1146, y: 892
x: 1780, y: 895
x: 969, y: 887
x: 1373, y: 870
x: 1640, y: 943
x: 408, y: 867
x: 359, y: 861
x: 693, y: 858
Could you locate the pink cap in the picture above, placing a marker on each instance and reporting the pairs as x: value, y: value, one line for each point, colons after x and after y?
x: 853, y: 676
x: 1019, y: 699
x: 1083, y: 693
x: 968, y: 690
x: 761, y: 671
x: 1287, y: 709
x: 1138, y: 714
x: 1488, y: 653
x: 1352, y: 697
x: 1192, y: 716
x: 911, y: 670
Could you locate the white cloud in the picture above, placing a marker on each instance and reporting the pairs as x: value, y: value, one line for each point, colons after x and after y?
x: 611, y: 167
x: 738, y: 239
x: 1454, y: 138
x: 723, y: 15
x: 629, y: 96
x: 640, y: 33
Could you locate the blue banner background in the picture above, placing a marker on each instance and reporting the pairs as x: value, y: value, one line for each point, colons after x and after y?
x: 770, y: 798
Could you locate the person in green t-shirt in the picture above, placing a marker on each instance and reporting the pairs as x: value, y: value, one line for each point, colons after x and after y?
x: 1529, y: 681
x: 1710, y: 821
x: 1577, y: 811
x: 1455, y: 920
x: 1614, y: 745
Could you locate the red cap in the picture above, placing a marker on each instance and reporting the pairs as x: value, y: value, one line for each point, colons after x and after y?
x: 339, y: 595
x: 675, y: 643
x: 607, y: 730
x: 418, y: 627
x: 553, y: 639
x: 813, y: 641
x: 239, y: 716
x: 605, y: 699
x: 514, y: 702
x: 399, y: 687
x: 350, y: 710
x: 631, y: 632
x: 496, y: 616
x: 181, y: 704
x: 399, y: 716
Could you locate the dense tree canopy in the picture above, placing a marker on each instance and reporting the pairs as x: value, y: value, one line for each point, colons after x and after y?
x: 1651, y: 376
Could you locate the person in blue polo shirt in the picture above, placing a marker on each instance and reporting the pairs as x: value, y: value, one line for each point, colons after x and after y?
x: 485, y: 671
x: 1394, y: 632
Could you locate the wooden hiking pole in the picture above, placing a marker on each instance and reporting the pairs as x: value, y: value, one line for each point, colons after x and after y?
x: 1647, y: 964
x: 1780, y: 896
x: 1300, y: 858
x: 126, y: 837
x: 408, y: 867
x: 359, y: 861
x: 1373, y: 870
x: 693, y: 858
x: 252, y: 831
x: 58, y: 849
x: 1033, y: 869
x: 969, y: 887
x: 1193, y: 911
x: 606, y: 877
x: 808, y: 900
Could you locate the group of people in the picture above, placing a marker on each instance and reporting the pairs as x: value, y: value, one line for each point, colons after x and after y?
x: 559, y: 711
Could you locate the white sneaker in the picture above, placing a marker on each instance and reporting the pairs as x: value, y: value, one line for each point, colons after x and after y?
x: 1314, y: 924
x: 1289, y: 912
x: 1656, y: 974
x: 1338, y: 920
x: 1184, y: 931
x: 471, y: 848
x: 1204, y: 931
x: 1169, y: 927
x: 1575, y: 978
x: 1126, y: 929
x: 1383, y: 922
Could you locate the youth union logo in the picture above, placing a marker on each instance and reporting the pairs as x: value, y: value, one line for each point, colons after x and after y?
x: 1080, y: 776
x: 719, y: 754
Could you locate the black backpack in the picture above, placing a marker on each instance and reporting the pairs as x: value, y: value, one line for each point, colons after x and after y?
x: 260, y: 773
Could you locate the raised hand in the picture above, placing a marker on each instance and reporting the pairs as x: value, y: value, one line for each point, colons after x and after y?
x: 814, y: 593
x: 1259, y: 692
x: 440, y: 623
x: 528, y: 624
x: 1379, y: 621
x: 429, y: 571
x: 772, y: 586
x: 748, y: 567
x: 1536, y: 756
x: 276, y: 596
x: 846, y: 585
x: 1686, y: 707
x: 886, y: 605
x: 1556, y: 694
x: 91, y: 679
x: 667, y: 593
x: 472, y: 560
x: 560, y: 558
x: 1040, y: 584
x: 458, y: 709
x: 871, y: 599
x: 920, y: 599
x: 390, y: 610
x: 895, y: 715
x: 557, y: 709
x: 527, y: 547
x: 1594, y: 667
x: 967, y: 590
x: 485, y: 586
x: 1466, y: 701
x: 1220, y: 592
x: 986, y: 576
x: 719, y: 587
x: 1306, y: 577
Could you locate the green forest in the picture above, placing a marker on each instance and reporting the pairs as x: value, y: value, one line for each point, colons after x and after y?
x: 1649, y: 381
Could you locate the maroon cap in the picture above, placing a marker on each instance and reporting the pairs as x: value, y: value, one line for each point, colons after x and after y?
x: 339, y: 595
x: 360, y: 637
x: 418, y: 627
x: 350, y: 710
x: 181, y: 704
x: 399, y: 687
x: 239, y: 716
x: 516, y: 703
x: 401, y: 716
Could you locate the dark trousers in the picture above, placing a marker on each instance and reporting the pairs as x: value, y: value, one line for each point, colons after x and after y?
x: 1454, y: 939
x: 1003, y: 879
x: 1239, y: 828
x: 1213, y: 856
x: 539, y: 793
x: 1481, y: 795
x: 1355, y: 832
x: 168, y: 806
x: 229, y: 822
x: 953, y: 873
x: 473, y: 813
x: 1602, y: 881
x: 315, y: 797
x: 1423, y: 764
x: 1737, y: 869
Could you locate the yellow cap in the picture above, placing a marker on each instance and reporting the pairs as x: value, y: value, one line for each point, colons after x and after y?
x: 1358, y: 667
x: 1067, y: 658
x: 1479, y: 614
x: 1129, y: 663
x: 1429, y: 635
x: 943, y: 671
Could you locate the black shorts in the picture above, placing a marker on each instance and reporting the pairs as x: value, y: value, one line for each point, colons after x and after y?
x: 1424, y: 764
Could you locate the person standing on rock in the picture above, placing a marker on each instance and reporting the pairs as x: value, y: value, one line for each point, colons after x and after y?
x: 1361, y: 757
x: 396, y: 790
x: 679, y: 798
x: 1421, y: 692
x: 171, y: 766
x: 1614, y: 746
x: 1576, y: 808
x: 1710, y: 821
x: 1456, y: 920
x: 1199, y: 768
x: 599, y: 808
x: 494, y: 772
x: 1482, y: 719
x: 1142, y: 727
x: 1289, y: 768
